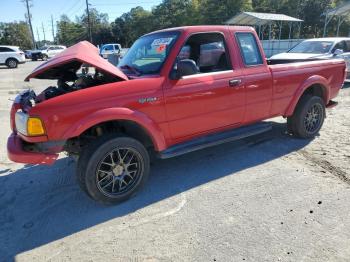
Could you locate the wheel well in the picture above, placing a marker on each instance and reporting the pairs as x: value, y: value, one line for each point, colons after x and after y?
x: 13, y: 58
x: 316, y: 90
x: 126, y: 127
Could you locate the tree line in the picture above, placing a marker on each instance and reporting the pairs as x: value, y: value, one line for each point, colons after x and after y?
x: 171, y: 13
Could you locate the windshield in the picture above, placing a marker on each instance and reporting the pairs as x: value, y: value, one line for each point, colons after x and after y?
x: 312, y: 47
x: 148, y: 53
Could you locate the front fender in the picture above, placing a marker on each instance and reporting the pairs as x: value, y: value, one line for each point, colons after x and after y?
x: 110, y: 114
x: 313, y: 80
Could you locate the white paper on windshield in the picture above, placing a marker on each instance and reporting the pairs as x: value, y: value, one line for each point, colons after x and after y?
x: 161, y: 41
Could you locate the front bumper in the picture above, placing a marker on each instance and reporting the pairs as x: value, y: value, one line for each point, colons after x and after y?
x: 16, y: 153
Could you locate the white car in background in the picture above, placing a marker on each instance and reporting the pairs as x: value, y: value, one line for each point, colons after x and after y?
x: 109, y: 49
x: 47, y: 52
x: 11, y: 56
x: 318, y: 48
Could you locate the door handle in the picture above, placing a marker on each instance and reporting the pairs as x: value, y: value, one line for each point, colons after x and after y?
x: 235, y: 82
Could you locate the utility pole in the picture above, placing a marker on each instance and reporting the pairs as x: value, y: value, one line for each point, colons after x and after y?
x: 53, y: 31
x: 42, y: 26
x: 30, y: 22
x: 37, y: 34
x: 88, y: 17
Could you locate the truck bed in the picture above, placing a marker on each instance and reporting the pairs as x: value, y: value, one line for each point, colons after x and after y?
x: 289, y: 77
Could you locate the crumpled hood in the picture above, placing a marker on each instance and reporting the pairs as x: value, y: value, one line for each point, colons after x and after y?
x: 299, y: 56
x: 78, y: 54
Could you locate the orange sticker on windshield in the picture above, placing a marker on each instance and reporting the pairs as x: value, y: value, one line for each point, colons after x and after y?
x: 161, y: 48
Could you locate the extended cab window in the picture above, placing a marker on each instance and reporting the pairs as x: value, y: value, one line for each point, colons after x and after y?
x: 249, y: 49
x: 6, y: 49
x: 108, y: 48
x: 207, y: 52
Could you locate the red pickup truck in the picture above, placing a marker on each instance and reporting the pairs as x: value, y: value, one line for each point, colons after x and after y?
x: 175, y: 91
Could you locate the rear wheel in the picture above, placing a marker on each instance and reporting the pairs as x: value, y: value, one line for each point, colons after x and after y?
x: 45, y: 57
x: 308, y: 117
x: 113, y: 168
x: 11, y: 63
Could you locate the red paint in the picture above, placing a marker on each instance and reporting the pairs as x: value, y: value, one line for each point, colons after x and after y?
x: 184, y: 108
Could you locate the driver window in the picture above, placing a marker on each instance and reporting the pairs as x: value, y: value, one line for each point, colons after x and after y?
x: 341, y: 45
x: 207, y: 53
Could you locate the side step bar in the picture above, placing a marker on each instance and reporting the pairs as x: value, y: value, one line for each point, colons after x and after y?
x: 215, y: 139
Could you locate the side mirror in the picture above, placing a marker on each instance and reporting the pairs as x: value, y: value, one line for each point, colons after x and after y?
x: 338, y: 52
x: 184, y: 67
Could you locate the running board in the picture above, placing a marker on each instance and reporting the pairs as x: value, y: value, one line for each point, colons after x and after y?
x: 215, y: 139
x: 331, y: 104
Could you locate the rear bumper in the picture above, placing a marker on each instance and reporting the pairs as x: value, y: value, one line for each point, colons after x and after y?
x: 16, y: 153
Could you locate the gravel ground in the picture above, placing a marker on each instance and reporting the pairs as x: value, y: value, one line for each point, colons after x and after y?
x: 266, y: 198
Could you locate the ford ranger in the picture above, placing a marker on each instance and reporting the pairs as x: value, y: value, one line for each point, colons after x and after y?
x: 175, y: 91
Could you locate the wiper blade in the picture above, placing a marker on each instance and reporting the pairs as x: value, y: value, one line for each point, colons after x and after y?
x: 131, y: 68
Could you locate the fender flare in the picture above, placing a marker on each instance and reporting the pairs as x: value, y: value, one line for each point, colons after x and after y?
x: 313, y: 80
x: 115, y: 114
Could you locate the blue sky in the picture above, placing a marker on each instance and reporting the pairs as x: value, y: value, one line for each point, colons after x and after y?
x: 14, y: 10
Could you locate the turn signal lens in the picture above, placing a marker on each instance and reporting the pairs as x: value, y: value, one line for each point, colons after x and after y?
x: 35, y: 127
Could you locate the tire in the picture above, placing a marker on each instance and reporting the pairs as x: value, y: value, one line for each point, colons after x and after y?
x: 308, y: 117
x: 11, y: 63
x: 45, y: 57
x: 103, y: 177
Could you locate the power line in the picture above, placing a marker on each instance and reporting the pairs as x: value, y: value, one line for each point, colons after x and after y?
x: 123, y: 4
x: 70, y: 7
x: 74, y: 10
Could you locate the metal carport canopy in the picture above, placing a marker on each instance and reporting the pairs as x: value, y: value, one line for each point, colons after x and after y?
x: 253, y: 18
x: 341, y: 12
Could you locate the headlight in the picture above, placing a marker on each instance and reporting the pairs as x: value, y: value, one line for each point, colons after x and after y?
x: 29, y: 126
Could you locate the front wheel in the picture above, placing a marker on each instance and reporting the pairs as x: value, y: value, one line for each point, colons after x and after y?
x: 11, y: 63
x: 112, y: 168
x: 308, y: 117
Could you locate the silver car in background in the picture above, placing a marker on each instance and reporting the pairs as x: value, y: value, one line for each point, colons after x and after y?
x: 318, y: 48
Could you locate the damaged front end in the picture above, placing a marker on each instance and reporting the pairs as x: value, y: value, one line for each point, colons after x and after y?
x: 78, y: 67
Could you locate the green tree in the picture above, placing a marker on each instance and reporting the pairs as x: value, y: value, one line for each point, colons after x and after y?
x: 16, y: 33
x: 68, y: 32
x: 218, y: 12
x: 132, y: 25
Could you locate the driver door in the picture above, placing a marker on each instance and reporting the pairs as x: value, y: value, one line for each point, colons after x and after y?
x: 212, y: 98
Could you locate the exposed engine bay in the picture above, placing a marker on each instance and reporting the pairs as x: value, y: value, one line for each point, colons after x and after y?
x: 74, y: 79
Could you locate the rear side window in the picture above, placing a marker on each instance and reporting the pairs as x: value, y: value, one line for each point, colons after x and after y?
x: 6, y: 49
x: 108, y: 48
x: 249, y: 49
